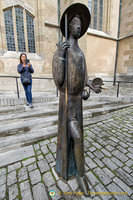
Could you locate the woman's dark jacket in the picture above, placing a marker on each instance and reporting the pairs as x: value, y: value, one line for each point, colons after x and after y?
x: 26, y: 71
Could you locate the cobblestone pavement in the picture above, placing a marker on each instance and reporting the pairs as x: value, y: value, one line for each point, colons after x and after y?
x: 29, y: 174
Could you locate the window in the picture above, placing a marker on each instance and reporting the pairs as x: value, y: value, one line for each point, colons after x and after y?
x: 17, y: 20
x: 9, y: 30
x: 89, y: 5
x: 95, y: 15
x: 101, y: 15
x: 30, y: 33
x: 20, y: 29
x: 96, y: 10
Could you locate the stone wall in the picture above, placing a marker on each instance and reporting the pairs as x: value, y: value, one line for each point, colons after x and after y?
x: 114, y: 16
x: 48, y: 35
x: 125, y: 54
x: 100, y: 57
x: 42, y: 85
x: 126, y: 27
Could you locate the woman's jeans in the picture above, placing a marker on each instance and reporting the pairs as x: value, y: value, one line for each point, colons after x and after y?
x: 28, y: 94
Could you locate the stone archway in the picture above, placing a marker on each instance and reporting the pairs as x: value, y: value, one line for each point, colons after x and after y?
x: 22, y: 3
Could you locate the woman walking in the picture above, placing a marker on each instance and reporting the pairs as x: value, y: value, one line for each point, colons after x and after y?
x: 25, y: 69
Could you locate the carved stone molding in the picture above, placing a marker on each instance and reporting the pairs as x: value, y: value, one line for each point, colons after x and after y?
x: 10, y: 3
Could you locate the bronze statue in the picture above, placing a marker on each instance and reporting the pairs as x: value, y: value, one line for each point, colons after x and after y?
x: 70, y: 76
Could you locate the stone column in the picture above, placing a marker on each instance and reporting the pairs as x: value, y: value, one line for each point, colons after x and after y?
x: 125, y: 54
x: 3, y: 46
x: 50, y: 33
x: 114, y: 17
x: 39, y: 23
x: 25, y: 30
x: 15, y: 29
x: 106, y: 17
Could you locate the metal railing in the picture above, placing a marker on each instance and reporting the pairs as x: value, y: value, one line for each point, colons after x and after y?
x: 17, y: 85
x: 118, y: 85
x: 18, y: 77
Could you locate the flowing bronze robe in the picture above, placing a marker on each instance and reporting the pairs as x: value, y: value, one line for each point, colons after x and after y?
x: 77, y: 77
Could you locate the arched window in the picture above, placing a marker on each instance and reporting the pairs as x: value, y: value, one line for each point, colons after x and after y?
x: 19, y: 25
x: 20, y: 29
x: 101, y: 15
x: 30, y: 33
x: 9, y: 30
x: 89, y: 5
x: 96, y: 10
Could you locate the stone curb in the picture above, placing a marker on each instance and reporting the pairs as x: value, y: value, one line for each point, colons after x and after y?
x: 16, y: 155
x: 114, y: 99
x: 12, y: 101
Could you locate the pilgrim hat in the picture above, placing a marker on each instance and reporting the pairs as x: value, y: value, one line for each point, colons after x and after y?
x: 97, y: 82
x: 76, y: 9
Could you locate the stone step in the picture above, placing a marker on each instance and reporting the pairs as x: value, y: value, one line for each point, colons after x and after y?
x: 26, y: 125
x: 89, y: 116
x: 12, y: 100
x: 48, y: 101
x: 21, y: 108
x: 103, y: 110
x: 11, y: 114
x: 25, y: 138
x: 24, y: 131
x: 11, y: 109
x: 27, y: 113
x: 10, y: 124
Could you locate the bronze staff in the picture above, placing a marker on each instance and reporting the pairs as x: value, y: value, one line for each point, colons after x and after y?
x: 66, y: 95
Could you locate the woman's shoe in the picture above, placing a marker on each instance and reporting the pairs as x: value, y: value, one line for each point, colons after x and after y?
x: 27, y: 104
x: 30, y: 105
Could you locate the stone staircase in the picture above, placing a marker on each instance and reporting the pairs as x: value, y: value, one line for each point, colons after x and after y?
x: 20, y: 125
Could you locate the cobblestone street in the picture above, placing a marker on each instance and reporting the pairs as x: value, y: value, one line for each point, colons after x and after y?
x: 28, y: 173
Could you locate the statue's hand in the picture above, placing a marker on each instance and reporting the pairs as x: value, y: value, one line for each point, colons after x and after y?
x: 62, y: 48
x: 96, y: 89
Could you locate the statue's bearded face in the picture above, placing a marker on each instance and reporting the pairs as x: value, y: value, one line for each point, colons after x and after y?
x: 75, y: 27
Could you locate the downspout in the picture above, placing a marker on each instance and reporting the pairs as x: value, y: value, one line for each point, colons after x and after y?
x: 59, y: 21
x: 117, y: 47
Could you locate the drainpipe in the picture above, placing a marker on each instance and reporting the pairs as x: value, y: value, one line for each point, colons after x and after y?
x: 59, y: 21
x: 117, y: 47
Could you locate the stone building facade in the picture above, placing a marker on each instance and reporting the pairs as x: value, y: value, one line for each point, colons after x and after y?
x: 125, y: 51
x: 31, y: 26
